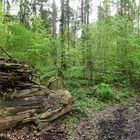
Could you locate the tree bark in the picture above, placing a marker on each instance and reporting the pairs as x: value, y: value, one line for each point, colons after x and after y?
x: 40, y: 107
x: 22, y: 100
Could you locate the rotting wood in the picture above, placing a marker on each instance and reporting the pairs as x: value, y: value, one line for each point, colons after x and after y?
x: 22, y: 100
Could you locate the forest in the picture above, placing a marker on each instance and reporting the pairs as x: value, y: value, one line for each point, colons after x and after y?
x: 92, y: 47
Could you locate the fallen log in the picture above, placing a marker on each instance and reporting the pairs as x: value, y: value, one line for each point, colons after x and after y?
x: 23, y: 101
x: 40, y: 107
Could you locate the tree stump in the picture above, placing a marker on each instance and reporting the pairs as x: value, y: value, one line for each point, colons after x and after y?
x: 55, y: 83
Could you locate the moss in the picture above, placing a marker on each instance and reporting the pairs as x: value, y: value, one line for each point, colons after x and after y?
x: 42, y: 125
x: 52, y: 79
x: 3, y: 112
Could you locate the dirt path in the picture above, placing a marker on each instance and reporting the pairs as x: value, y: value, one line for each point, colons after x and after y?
x: 121, y: 124
x: 118, y: 122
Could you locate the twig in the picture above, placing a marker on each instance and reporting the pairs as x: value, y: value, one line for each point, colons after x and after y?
x: 6, y: 52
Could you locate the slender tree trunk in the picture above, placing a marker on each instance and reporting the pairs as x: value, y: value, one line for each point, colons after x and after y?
x: 75, y: 28
x: 4, y: 7
x: 68, y: 22
x: 138, y: 18
x: 89, y: 47
x: 34, y: 8
x: 62, y: 24
x: 82, y: 11
x: 54, y: 51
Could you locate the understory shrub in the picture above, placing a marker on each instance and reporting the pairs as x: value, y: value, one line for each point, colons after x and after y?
x: 102, y: 92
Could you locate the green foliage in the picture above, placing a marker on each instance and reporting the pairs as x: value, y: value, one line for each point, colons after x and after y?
x: 71, y: 121
x: 3, y: 31
x: 107, y: 51
x: 102, y: 92
x: 26, y: 44
x: 81, y: 103
x: 124, y: 93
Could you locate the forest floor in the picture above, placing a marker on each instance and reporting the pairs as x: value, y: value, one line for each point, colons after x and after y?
x: 115, y: 122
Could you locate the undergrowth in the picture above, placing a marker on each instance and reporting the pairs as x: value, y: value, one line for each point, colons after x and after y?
x: 94, y: 97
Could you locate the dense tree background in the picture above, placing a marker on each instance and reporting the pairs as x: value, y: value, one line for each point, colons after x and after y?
x: 62, y: 41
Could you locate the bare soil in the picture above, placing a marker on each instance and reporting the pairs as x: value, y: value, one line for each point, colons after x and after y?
x: 117, y: 122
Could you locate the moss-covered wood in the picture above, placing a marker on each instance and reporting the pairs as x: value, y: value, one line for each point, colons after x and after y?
x: 39, y: 107
x: 22, y: 100
x: 55, y: 83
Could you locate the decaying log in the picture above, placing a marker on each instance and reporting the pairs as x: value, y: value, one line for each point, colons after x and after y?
x: 22, y: 100
x: 13, y: 75
x: 40, y: 107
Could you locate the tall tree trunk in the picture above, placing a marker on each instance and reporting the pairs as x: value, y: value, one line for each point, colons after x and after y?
x: 68, y: 22
x: 54, y: 51
x: 138, y: 18
x: 82, y: 11
x: 34, y: 8
x: 62, y: 24
x: 88, y: 42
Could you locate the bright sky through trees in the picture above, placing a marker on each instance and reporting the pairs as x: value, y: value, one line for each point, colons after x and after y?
x: 75, y: 4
